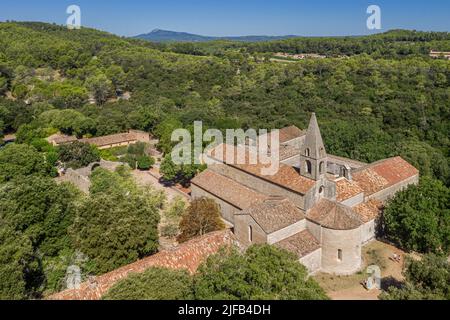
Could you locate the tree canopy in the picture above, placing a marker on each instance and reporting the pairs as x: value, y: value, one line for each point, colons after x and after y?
x: 116, y: 224
x: 418, y: 219
x: 425, y: 279
x: 20, y: 160
x: 261, y: 273
x: 153, y: 284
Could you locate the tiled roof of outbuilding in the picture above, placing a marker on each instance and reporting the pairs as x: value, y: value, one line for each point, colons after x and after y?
x: 111, y: 139
x: 274, y: 214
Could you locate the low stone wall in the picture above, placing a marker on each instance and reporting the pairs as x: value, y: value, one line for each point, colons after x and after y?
x: 356, y: 200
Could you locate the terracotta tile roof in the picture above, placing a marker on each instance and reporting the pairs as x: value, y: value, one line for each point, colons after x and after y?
x: 228, y: 190
x: 346, y: 189
x: 383, y: 174
x: 290, y: 133
x: 302, y: 244
x: 9, y: 137
x: 61, y: 139
x: 274, y: 214
x: 287, y: 176
x: 111, y: 139
x: 369, y: 210
x: 187, y: 256
x: 287, y: 152
x: 333, y: 215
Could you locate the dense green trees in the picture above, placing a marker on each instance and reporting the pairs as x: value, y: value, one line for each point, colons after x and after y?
x: 425, y: 279
x: 78, y: 155
x: 36, y: 214
x: 419, y: 218
x: 388, y: 98
x: 183, y: 173
x: 262, y: 273
x: 18, y: 160
x: 118, y: 223
x: 153, y: 284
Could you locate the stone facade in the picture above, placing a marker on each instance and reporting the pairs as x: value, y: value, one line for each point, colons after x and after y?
x: 321, y: 207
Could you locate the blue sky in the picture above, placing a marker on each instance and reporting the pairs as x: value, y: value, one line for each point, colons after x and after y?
x: 236, y: 17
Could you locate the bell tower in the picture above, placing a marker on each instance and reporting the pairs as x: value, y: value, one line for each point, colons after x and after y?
x: 313, y: 156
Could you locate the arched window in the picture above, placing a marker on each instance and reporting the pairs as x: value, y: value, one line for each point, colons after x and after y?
x: 307, y: 152
x: 322, y: 167
x: 250, y: 234
x: 340, y: 255
x: 308, y: 165
x: 321, y: 190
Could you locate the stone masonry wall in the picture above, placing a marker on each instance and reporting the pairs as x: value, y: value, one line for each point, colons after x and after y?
x: 287, y: 232
x: 313, y: 261
x: 349, y: 241
x: 241, y: 231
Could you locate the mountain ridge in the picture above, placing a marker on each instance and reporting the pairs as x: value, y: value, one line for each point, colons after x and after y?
x: 160, y: 35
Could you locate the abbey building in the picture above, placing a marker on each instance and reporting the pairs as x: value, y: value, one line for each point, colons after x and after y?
x: 321, y: 207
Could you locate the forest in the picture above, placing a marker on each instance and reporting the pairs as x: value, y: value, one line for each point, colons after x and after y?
x: 375, y: 97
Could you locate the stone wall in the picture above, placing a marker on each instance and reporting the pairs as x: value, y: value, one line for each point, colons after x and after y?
x: 287, y: 232
x: 368, y: 232
x: 81, y: 182
x: 315, y: 230
x: 241, y: 231
x: 356, y: 200
x: 313, y: 261
x: 349, y: 241
x: 258, y: 184
x: 228, y: 210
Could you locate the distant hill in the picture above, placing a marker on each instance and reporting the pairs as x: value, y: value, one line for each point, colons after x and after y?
x: 159, y: 35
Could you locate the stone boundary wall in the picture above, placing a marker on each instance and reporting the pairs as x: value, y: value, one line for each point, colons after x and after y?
x: 187, y: 256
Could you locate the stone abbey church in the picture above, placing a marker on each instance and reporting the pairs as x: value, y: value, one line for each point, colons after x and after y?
x: 321, y: 207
